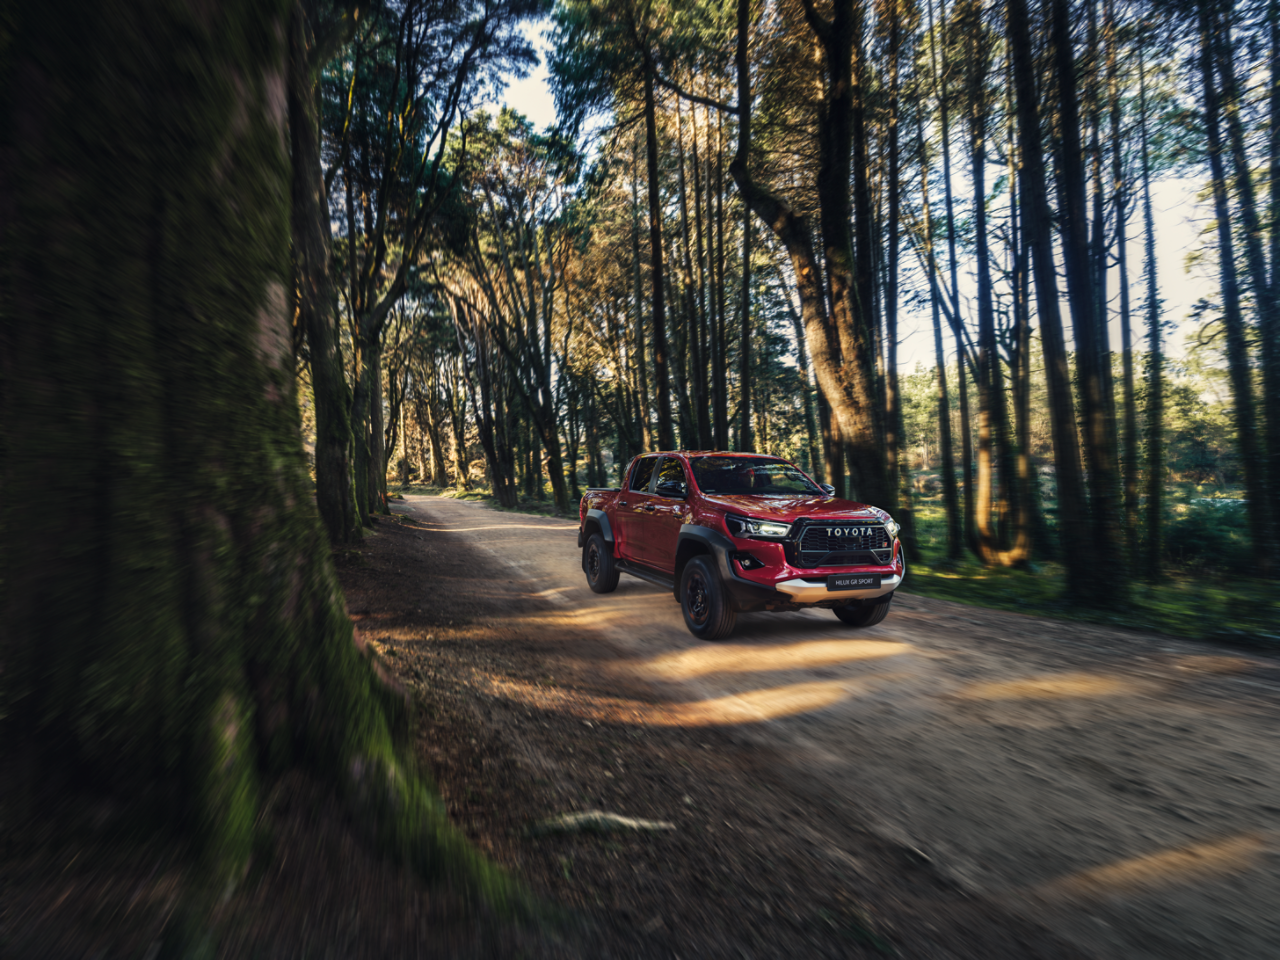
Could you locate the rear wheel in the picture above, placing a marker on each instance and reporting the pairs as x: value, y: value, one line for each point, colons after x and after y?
x: 597, y: 563
x: 708, y: 611
x: 867, y: 613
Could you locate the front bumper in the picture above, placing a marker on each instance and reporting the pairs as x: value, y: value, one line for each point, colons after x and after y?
x: 802, y: 590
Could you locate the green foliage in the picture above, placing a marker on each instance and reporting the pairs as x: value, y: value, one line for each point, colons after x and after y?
x: 1208, y: 536
x: 1243, y: 612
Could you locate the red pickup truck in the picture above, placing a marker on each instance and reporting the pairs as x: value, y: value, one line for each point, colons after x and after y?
x: 730, y: 532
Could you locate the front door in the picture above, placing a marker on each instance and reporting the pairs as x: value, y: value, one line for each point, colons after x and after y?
x: 666, y: 515
x: 632, y: 512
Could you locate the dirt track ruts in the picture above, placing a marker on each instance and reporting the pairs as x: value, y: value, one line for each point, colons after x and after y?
x: 1122, y: 789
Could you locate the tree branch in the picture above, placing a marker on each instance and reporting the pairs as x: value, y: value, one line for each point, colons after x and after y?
x: 693, y: 97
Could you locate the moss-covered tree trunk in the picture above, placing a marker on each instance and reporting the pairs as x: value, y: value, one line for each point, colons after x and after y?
x: 172, y: 624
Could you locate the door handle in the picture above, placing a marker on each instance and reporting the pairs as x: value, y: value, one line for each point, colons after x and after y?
x: 649, y: 506
x: 622, y: 503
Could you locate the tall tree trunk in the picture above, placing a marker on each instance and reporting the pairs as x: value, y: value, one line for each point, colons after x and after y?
x: 1264, y: 295
x: 1024, y: 482
x: 1120, y: 198
x: 701, y: 287
x: 853, y: 297
x: 744, y: 342
x: 1155, y: 371
x: 812, y: 458
x: 638, y: 300
x: 832, y: 451
x: 1271, y: 334
x: 170, y: 609
x: 848, y: 389
x: 666, y: 435
x: 966, y: 447
x: 573, y: 437
x: 458, y: 424
x: 1108, y: 585
x: 377, y: 454
x: 1251, y: 457
x: 683, y: 361
x: 1098, y: 252
x: 1073, y: 517
x: 694, y: 324
x: 947, y: 465
x: 335, y: 497
x: 987, y: 360
x: 715, y: 212
x: 966, y: 421
x: 902, y: 508
x: 439, y: 473
x: 361, y: 403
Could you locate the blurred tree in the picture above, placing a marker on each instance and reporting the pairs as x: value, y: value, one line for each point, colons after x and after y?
x: 173, y: 630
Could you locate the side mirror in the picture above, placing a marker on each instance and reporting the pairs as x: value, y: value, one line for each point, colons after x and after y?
x: 828, y: 489
x: 671, y: 488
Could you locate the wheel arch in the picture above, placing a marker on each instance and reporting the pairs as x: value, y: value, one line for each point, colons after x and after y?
x: 696, y: 541
x: 596, y: 521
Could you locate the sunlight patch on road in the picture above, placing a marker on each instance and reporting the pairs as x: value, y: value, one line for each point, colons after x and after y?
x: 745, y: 658
x: 1180, y: 865
x: 750, y: 707
x: 1201, y: 663
x: 1058, y: 686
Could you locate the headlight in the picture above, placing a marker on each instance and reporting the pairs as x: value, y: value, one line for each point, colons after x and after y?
x: 753, y: 529
x: 891, y: 526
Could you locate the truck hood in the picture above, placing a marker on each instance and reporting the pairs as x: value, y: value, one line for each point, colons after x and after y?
x: 791, y: 509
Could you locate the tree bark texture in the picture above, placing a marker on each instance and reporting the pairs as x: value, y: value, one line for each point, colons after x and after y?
x: 841, y: 351
x: 335, y: 496
x: 666, y: 434
x: 173, y: 627
x: 1097, y: 405
x: 1264, y: 294
x: 1073, y: 517
x: 1251, y: 454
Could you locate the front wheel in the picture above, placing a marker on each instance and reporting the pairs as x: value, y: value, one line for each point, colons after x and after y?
x: 708, y: 611
x: 866, y: 614
x: 597, y: 563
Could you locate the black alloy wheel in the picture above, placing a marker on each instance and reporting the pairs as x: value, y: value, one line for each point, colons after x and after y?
x: 708, y: 610
x: 597, y: 563
x: 696, y: 598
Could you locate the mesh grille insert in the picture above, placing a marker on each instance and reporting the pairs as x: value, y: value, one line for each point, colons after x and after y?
x: 845, y: 544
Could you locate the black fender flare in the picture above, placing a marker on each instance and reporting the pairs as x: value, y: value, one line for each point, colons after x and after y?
x: 714, y: 542
x: 601, y: 519
x: 747, y: 594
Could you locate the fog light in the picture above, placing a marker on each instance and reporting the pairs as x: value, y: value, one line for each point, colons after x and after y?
x: 748, y: 562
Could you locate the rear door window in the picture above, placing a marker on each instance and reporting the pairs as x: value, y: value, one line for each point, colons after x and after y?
x: 642, y: 473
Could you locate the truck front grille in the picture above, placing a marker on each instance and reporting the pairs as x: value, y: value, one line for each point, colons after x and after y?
x: 815, y: 548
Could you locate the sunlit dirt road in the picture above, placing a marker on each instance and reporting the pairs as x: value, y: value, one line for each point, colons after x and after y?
x: 1122, y: 789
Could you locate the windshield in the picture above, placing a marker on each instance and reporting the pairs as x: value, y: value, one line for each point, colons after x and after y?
x: 753, y: 476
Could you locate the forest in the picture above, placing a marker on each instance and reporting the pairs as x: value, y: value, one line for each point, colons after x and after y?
x: 720, y: 242
x: 267, y: 264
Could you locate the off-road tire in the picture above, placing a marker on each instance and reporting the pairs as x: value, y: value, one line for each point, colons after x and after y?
x: 597, y: 563
x: 708, y: 610
x: 865, y: 614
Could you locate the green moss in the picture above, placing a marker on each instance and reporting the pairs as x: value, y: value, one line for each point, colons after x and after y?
x: 172, y: 612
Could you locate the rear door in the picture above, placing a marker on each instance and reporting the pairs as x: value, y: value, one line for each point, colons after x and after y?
x: 632, y: 510
x: 666, y: 515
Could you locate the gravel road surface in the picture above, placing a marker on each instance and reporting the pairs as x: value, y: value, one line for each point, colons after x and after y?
x: 1122, y: 789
